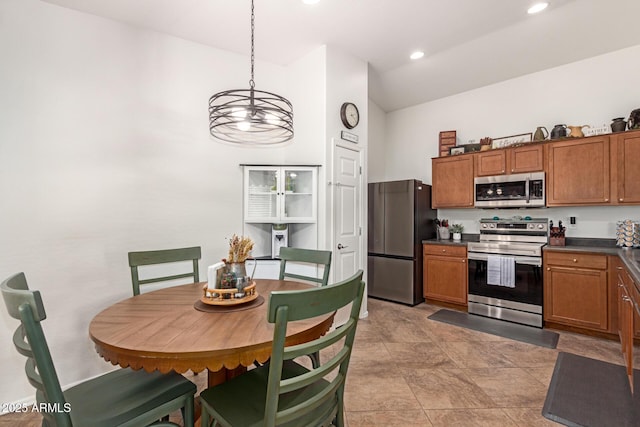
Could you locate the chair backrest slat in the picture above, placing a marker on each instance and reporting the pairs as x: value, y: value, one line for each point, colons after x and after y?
x: 288, y: 306
x: 29, y: 339
x: 142, y: 258
x: 308, y: 256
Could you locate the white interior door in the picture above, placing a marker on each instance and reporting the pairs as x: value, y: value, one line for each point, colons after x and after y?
x: 347, y: 218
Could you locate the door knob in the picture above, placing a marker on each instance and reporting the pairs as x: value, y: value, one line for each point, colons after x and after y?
x: 340, y: 246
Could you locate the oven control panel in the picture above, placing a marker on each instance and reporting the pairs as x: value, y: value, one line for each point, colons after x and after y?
x: 510, y: 226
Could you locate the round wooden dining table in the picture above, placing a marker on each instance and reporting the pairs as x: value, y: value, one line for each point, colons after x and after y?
x: 163, y: 330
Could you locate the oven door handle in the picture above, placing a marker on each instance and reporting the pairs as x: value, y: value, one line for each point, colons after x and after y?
x: 536, y: 261
x: 526, y: 190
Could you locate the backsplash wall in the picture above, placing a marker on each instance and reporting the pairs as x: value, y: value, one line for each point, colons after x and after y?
x: 591, y: 221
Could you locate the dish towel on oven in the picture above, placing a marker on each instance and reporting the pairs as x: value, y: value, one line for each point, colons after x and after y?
x: 501, y: 271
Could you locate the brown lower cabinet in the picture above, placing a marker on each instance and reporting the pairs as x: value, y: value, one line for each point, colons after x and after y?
x: 628, y: 319
x: 445, y: 273
x: 576, y: 290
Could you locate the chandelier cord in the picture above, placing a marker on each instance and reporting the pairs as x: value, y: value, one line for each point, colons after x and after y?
x: 253, y: 27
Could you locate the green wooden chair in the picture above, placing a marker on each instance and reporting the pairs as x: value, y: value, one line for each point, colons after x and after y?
x: 119, y: 398
x: 309, y: 256
x: 282, y: 392
x: 137, y: 259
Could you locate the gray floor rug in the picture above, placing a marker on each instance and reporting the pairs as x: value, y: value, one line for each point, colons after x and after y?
x: 588, y: 392
x: 523, y: 333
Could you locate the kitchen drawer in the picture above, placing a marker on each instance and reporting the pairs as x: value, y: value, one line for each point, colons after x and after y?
x: 573, y: 259
x: 445, y: 250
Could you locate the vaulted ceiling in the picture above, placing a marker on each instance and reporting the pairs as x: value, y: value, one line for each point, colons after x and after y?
x: 467, y: 43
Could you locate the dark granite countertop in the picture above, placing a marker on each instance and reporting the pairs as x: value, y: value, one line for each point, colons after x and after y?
x: 629, y: 257
x: 466, y: 238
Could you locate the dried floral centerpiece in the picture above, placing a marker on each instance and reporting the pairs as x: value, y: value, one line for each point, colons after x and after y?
x: 239, y: 249
x: 229, y: 283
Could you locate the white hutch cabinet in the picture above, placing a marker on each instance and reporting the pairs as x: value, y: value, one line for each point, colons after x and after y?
x: 279, y: 194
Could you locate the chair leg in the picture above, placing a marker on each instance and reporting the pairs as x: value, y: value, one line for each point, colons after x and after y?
x: 205, y: 419
x: 188, y: 416
x: 315, y: 359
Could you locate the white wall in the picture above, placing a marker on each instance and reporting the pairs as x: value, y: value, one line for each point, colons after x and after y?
x: 347, y: 81
x: 377, y: 138
x: 591, y: 91
x: 307, y: 77
x: 105, y: 149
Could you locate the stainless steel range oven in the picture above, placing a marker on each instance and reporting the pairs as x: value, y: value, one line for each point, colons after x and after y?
x: 505, y: 269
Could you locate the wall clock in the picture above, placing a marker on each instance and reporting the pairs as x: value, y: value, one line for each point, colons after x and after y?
x: 349, y: 115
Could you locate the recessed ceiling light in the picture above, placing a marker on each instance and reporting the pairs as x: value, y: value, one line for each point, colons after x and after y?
x: 417, y: 55
x: 310, y: 1
x: 538, y: 7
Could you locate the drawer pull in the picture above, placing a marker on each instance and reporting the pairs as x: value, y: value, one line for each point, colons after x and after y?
x: 618, y: 268
x: 575, y: 260
x: 625, y: 298
x: 444, y: 250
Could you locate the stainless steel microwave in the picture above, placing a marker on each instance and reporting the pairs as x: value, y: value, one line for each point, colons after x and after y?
x: 523, y: 190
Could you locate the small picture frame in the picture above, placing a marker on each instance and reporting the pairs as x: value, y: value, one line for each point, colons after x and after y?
x: 348, y: 136
x: 471, y: 148
x: 507, y: 141
x: 456, y: 150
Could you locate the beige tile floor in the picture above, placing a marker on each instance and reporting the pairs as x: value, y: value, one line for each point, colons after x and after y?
x: 407, y: 370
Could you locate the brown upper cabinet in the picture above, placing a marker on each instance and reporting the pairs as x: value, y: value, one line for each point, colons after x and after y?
x: 528, y: 158
x: 625, y: 148
x: 452, y: 180
x: 578, y: 172
x: 597, y: 170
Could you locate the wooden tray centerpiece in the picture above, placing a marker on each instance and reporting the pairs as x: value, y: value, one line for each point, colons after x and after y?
x: 229, y: 296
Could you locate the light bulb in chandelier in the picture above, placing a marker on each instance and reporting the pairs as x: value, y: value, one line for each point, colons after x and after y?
x: 243, y: 125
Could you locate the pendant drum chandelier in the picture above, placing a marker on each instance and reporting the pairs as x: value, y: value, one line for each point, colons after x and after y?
x: 250, y: 116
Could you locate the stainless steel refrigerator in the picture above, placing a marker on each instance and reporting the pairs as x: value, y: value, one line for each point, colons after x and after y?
x: 400, y: 218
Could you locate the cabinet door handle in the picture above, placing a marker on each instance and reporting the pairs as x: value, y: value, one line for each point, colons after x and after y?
x: 548, y: 268
x: 618, y: 268
x: 464, y: 260
x: 625, y: 298
x: 606, y: 200
x: 621, y: 199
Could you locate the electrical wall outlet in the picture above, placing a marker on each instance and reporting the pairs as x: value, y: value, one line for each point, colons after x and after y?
x: 572, y: 222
